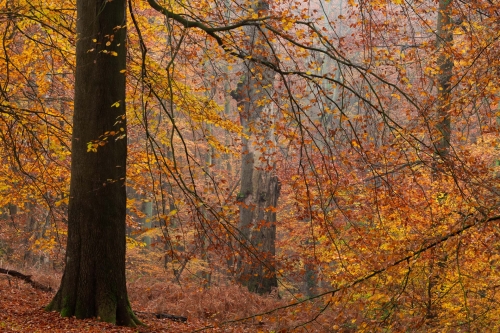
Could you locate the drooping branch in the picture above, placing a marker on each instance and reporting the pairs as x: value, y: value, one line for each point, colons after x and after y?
x: 364, y: 72
x: 196, y: 24
x: 370, y: 275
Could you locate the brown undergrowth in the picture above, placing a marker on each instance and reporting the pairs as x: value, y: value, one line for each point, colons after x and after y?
x: 214, y: 309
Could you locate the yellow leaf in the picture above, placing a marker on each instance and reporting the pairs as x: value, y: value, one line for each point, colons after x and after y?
x: 116, y: 104
x: 92, y: 147
x: 59, y: 202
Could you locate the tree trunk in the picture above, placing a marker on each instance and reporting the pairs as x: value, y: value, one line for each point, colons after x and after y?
x: 444, y: 39
x: 259, y: 274
x: 93, y: 284
x: 441, y: 143
x: 259, y: 186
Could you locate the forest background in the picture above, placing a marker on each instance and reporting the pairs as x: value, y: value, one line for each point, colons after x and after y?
x: 339, y: 158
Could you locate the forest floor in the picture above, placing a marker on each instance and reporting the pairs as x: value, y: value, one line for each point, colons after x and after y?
x: 207, y: 310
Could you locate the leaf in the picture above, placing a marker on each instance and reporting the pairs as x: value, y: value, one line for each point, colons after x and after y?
x: 92, y: 147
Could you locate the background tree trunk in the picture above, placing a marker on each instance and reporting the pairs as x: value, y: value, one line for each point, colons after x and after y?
x: 93, y: 284
x: 444, y: 39
x: 259, y: 187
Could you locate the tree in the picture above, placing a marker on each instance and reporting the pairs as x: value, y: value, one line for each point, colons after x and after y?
x: 444, y: 38
x: 93, y: 284
x: 442, y: 137
x: 259, y: 185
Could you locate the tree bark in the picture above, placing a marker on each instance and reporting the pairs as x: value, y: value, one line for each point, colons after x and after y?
x: 259, y: 186
x: 259, y: 274
x: 93, y: 284
x: 441, y: 141
x: 444, y: 39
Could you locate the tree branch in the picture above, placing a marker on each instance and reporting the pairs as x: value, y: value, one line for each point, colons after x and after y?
x: 26, y: 278
x: 364, y: 278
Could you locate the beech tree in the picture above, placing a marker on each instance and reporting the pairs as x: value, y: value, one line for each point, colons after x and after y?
x: 93, y: 284
x: 259, y: 185
x: 444, y: 38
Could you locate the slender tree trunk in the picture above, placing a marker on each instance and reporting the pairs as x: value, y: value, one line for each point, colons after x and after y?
x: 441, y: 142
x: 93, y: 284
x: 146, y: 221
x: 444, y: 39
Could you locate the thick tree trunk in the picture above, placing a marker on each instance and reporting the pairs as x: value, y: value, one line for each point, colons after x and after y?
x: 258, y: 196
x: 259, y: 187
x: 93, y: 284
x: 260, y: 275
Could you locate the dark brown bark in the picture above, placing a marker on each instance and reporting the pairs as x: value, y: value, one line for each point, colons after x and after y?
x: 93, y: 284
